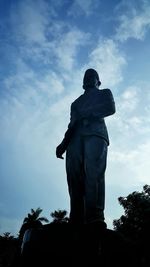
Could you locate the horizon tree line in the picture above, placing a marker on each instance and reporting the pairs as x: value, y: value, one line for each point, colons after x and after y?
x: 133, y: 223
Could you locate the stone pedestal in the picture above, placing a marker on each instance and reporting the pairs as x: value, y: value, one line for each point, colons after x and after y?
x: 63, y: 244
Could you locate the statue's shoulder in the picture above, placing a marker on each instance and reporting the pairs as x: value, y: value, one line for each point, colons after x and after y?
x: 105, y: 91
x: 77, y: 100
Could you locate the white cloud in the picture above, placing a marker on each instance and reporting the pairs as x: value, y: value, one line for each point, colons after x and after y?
x: 108, y: 61
x: 66, y: 48
x: 34, y: 117
x: 129, y: 130
x: 135, y: 23
x: 36, y: 113
x: 30, y: 18
x: 27, y: 107
x: 29, y: 85
x: 132, y: 114
x: 51, y: 84
x: 128, y: 101
x: 132, y: 165
x: 86, y: 7
x: 42, y: 38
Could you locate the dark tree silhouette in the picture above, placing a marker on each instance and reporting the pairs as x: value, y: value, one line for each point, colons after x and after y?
x: 34, y: 217
x: 59, y: 216
x: 136, y: 219
x: 135, y: 223
x: 32, y: 221
x: 8, y: 249
x: 7, y: 236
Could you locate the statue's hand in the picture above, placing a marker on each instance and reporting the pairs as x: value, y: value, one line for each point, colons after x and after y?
x: 60, y: 150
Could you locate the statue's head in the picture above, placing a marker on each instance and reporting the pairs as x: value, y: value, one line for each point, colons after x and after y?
x: 91, y: 79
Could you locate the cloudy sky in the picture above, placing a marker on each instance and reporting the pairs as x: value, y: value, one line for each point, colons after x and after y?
x: 45, y: 48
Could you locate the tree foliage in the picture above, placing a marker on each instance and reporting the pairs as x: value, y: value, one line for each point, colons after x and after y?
x: 136, y: 219
x: 32, y: 220
x: 7, y: 236
x: 34, y: 217
x: 59, y: 216
x: 8, y: 249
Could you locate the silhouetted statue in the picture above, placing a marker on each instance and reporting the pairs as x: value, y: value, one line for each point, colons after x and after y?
x: 85, y: 143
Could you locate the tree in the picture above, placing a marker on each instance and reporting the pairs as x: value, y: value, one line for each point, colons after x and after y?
x: 34, y: 217
x: 136, y: 220
x: 32, y: 221
x: 7, y: 236
x: 59, y: 216
x: 8, y: 249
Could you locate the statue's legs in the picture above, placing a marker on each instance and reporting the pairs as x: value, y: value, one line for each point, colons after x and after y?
x: 85, y: 166
x: 75, y: 179
x: 95, y: 158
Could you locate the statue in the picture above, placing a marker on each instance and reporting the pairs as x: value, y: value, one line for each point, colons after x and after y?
x: 85, y: 142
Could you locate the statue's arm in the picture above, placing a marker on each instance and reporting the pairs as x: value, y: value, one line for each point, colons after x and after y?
x: 61, y: 148
x: 105, y: 107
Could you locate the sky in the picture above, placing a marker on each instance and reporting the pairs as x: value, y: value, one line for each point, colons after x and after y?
x: 45, y: 48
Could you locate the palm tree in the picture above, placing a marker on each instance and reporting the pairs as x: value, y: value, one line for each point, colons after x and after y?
x: 7, y: 236
x: 59, y: 216
x: 34, y: 217
x: 32, y: 221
